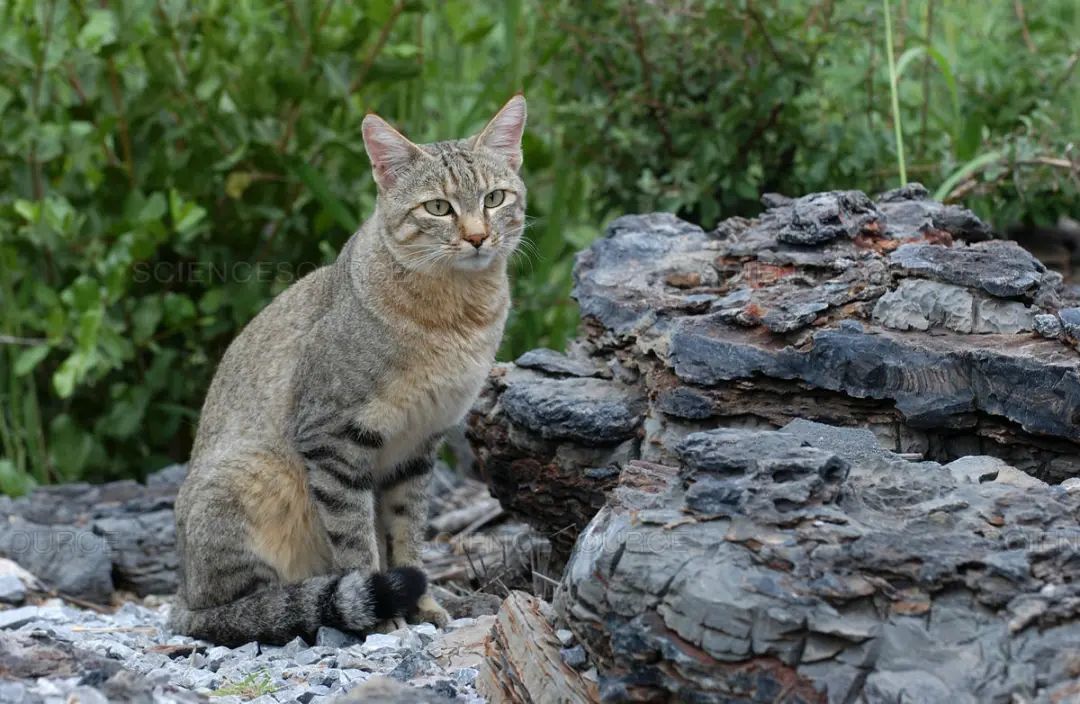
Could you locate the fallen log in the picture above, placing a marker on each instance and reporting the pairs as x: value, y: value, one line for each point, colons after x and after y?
x: 522, y: 663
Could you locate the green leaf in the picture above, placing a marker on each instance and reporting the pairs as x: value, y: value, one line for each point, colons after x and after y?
x: 69, y: 445
x: 186, y: 215
x: 28, y: 359
x: 964, y: 171
x: 69, y: 374
x: 99, y: 31
x: 321, y: 190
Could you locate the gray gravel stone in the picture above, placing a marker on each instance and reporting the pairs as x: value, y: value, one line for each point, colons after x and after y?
x: 575, y: 657
x: 1048, y: 325
x: 12, y: 590
x: 333, y: 638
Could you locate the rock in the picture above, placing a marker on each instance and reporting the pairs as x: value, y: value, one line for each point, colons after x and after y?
x: 1070, y: 322
x: 895, y: 324
x: 821, y: 217
x: 383, y: 690
x: 14, y: 618
x: 555, y: 363
x: 379, y: 642
x: 575, y: 657
x: 12, y: 589
x: 999, y: 267
x: 128, y: 523
x: 1048, y: 325
x: 900, y: 574
x: 36, y: 667
x: 333, y: 638
x: 585, y: 410
x: 979, y: 469
x: 71, y: 560
x: 730, y: 561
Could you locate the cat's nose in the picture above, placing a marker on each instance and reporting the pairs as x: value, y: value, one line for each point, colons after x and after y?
x: 475, y: 238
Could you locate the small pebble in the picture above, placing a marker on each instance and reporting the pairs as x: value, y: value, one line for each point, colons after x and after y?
x: 574, y: 657
x: 12, y: 589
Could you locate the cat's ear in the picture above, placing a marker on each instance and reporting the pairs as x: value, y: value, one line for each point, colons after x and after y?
x: 503, y: 133
x: 389, y: 150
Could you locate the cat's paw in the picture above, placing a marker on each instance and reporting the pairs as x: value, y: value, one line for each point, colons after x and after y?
x: 430, y: 611
x: 390, y: 625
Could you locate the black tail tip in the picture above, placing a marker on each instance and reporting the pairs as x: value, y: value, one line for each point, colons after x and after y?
x: 396, y: 593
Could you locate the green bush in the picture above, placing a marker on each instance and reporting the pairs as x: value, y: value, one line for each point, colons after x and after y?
x: 169, y: 166
x: 700, y: 106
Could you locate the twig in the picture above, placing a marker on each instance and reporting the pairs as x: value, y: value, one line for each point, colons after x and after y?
x: 1018, y: 8
x: 305, y: 64
x: 121, y: 119
x: 380, y: 42
x: 655, y: 106
x: 28, y: 341
x: 35, y: 103
x: 477, y: 524
x: 924, y: 118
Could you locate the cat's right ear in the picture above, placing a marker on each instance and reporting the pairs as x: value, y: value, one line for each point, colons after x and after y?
x: 389, y: 150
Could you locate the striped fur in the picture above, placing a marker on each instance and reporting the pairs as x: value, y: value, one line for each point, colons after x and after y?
x: 305, y: 503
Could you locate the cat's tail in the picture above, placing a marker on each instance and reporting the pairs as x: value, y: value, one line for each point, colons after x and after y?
x: 354, y: 601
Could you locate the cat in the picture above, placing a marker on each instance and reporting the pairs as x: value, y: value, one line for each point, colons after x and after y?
x: 305, y: 502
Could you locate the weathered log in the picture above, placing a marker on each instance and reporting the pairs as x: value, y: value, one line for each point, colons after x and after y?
x: 891, y: 315
x: 522, y: 662
x: 762, y: 568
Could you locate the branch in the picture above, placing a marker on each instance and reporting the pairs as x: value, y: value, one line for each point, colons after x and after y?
x: 384, y: 36
x: 26, y: 341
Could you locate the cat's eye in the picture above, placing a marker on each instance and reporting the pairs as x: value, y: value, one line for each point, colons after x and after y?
x: 438, y: 207
x: 494, y: 199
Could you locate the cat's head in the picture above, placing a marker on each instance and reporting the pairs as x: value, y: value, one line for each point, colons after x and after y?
x: 457, y: 205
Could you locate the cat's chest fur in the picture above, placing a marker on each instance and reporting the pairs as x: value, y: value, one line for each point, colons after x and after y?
x: 432, y: 393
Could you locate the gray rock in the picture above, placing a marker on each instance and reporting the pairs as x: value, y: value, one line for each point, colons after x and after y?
x: 15, y: 618
x: 12, y: 589
x: 333, y: 638
x: 379, y: 642
x: 810, y: 589
x: 383, y: 690
x: 587, y: 410
x: 555, y: 363
x: 999, y: 267
x: 1070, y: 322
x: 821, y: 217
x: 575, y: 657
x: 1048, y: 325
x: 72, y: 560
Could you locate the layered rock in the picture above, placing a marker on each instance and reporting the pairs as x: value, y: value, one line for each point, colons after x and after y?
x: 808, y: 565
x: 895, y: 314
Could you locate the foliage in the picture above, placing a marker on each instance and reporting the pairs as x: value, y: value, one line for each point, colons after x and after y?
x: 699, y: 106
x: 169, y: 166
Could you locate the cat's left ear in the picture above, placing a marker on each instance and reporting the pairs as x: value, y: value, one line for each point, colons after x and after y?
x: 503, y: 133
x: 390, y: 152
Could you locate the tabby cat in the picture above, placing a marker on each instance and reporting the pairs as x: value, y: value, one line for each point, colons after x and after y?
x: 305, y: 503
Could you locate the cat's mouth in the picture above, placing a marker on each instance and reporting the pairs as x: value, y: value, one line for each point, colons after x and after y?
x: 474, y: 259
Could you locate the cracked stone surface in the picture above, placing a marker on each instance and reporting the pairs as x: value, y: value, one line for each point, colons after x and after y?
x: 762, y: 568
x: 884, y: 316
x: 852, y: 469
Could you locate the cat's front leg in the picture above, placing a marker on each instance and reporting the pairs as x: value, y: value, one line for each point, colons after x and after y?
x: 340, y: 462
x: 403, y: 513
